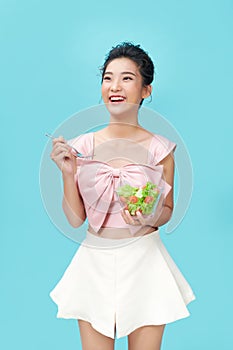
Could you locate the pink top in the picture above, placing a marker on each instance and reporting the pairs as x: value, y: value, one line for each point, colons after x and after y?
x: 97, y: 181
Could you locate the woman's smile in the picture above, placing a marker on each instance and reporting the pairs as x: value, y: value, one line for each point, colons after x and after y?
x: 115, y: 99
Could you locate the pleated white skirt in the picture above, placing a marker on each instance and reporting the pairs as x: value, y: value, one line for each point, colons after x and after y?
x: 124, y: 283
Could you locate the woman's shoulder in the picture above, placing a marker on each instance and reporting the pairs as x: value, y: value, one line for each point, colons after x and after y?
x: 161, y: 146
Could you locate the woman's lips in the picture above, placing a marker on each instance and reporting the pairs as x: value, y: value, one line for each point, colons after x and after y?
x: 117, y: 99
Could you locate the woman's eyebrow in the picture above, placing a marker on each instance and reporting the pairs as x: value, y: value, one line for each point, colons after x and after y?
x: 122, y: 73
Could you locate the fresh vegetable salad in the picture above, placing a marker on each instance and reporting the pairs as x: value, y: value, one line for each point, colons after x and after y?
x: 141, y: 199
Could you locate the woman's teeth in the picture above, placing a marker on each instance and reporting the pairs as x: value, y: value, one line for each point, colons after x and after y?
x: 116, y: 99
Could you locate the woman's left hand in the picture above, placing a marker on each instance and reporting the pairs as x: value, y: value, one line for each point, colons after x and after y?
x: 137, y: 220
x: 143, y: 220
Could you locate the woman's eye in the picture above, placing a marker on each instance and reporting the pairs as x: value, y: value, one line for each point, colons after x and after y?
x: 127, y: 78
x: 106, y: 78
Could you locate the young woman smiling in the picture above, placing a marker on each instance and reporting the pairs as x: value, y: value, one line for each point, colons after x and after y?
x: 122, y: 279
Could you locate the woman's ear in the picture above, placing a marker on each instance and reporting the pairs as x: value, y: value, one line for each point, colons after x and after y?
x: 147, y: 90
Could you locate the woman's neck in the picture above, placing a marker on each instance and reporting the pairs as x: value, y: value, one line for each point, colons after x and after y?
x: 123, y: 124
x: 121, y: 129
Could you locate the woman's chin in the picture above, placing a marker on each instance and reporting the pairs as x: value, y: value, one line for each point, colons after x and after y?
x: 120, y: 108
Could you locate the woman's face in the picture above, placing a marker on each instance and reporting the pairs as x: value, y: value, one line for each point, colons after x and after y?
x: 123, y: 84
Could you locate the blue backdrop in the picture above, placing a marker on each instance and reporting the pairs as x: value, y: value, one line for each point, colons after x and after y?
x: 50, y: 54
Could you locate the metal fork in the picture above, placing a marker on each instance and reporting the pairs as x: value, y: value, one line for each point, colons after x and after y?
x: 77, y: 153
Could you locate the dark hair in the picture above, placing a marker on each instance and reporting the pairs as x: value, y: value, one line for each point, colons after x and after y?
x: 136, y: 54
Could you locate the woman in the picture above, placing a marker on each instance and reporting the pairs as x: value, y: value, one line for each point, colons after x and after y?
x: 122, y: 278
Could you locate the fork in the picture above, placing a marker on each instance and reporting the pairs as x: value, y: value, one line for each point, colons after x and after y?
x: 77, y: 153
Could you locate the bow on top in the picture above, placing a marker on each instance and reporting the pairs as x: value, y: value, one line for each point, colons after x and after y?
x: 98, y: 182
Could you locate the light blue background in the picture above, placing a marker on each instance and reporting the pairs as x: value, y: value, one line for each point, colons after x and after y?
x: 50, y: 54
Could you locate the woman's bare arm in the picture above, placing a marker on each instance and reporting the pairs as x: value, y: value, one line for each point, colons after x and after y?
x: 165, y: 207
x: 72, y: 202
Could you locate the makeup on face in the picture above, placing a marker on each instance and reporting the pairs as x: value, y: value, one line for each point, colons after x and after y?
x: 122, y: 82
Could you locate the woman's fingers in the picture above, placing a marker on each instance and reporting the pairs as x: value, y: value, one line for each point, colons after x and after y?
x: 60, y: 154
x: 129, y: 219
x: 59, y: 142
x: 58, y: 148
x: 133, y: 220
x: 63, y: 156
x: 59, y: 139
x: 140, y: 218
x: 125, y: 217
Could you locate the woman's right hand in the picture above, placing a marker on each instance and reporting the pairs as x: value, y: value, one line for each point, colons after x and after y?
x: 62, y: 155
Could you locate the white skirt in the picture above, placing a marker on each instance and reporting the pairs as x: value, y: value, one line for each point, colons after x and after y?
x: 119, y: 285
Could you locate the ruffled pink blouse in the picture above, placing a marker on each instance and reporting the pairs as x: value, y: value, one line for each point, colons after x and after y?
x: 97, y: 181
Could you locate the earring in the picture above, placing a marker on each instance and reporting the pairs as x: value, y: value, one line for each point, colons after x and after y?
x: 150, y: 99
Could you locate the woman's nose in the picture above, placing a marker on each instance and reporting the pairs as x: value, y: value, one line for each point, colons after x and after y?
x: 115, y: 85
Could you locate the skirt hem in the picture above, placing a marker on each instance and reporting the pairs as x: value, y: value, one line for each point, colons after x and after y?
x: 100, y: 329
